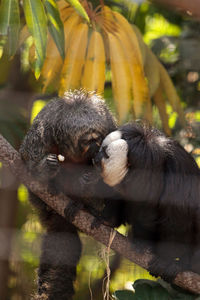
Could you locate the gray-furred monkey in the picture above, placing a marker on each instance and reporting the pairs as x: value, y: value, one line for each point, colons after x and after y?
x: 58, y: 150
x: 160, y: 184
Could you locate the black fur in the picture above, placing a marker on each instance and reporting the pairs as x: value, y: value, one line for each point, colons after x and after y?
x: 161, y: 194
x: 74, y: 127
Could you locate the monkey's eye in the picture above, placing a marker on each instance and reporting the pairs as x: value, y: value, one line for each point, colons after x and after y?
x: 84, y: 146
x: 92, y: 141
x: 85, y: 142
x: 91, y: 147
x: 89, y: 142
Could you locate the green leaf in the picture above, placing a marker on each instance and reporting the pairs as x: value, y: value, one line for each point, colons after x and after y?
x: 55, y: 26
x: 124, y: 295
x: 10, y: 23
x: 37, y: 24
x: 150, y: 290
x: 79, y: 8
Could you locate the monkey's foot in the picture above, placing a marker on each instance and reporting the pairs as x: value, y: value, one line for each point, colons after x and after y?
x: 166, y: 270
x: 96, y: 223
x: 72, y: 209
x: 89, y: 177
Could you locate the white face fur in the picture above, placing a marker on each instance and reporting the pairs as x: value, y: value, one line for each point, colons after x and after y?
x: 114, y: 168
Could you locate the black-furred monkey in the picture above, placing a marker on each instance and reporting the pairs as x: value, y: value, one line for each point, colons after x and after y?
x: 58, y: 150
x: 160, y: 186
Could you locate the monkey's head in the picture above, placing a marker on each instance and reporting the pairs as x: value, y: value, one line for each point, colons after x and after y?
x: 77, y: 125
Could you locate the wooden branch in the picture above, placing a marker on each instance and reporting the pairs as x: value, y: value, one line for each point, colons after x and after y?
x: 83, y: 220
x: 190, y: 8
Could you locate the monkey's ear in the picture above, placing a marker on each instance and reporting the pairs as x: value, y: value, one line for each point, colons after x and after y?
x: 114, y: 162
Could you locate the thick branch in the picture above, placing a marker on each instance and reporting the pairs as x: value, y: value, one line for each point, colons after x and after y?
x: 191, y: 8
x: 83, y: 220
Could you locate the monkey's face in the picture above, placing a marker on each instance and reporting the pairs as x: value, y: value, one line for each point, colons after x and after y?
x: 113, y: 158
x: 79, y: 149
x: 78, y: 127
x: 81, y: 126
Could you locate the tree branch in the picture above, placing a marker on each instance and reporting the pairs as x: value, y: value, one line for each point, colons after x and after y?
x: 83, y: 220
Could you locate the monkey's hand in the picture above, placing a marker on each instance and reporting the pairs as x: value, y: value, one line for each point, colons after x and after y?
x: 49, y: 166
x: 112, y: 158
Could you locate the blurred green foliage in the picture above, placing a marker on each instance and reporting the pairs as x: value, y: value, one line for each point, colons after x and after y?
x: 37, y: 106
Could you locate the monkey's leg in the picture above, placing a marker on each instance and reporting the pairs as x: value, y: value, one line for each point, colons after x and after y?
x: 61, y: 249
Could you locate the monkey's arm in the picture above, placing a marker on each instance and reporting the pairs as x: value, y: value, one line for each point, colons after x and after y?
x: 38, y: 152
